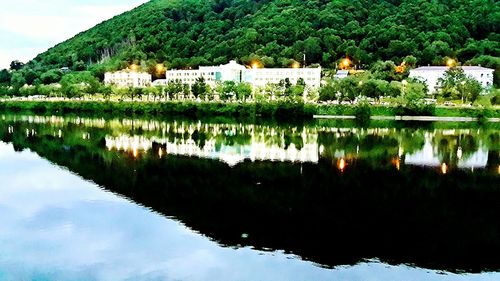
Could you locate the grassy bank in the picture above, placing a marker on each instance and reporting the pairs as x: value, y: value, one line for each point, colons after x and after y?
x: 282, y: 111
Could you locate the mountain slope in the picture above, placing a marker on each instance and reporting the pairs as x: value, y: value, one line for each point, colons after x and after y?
x: 199, y: 32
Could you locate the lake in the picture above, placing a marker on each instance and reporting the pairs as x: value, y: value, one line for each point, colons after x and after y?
x: 90, y: 198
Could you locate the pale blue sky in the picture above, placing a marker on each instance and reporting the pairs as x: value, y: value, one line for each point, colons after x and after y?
x: 29, y: 27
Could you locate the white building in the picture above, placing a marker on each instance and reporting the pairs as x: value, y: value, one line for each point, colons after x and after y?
x: 431, y: 74
x: 260, y: 77
x: 257, y: 77
x: 127, y: 78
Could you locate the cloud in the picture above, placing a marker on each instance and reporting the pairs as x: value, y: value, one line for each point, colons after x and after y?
x: 29, y: 27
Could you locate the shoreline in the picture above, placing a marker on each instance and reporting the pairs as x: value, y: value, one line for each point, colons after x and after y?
x: 267, y: 110
x: 410, y: 118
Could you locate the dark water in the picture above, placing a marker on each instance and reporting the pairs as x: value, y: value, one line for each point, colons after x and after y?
x: 122, y: 199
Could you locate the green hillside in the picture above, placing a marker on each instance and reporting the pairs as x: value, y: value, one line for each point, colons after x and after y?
x: 186, y: 33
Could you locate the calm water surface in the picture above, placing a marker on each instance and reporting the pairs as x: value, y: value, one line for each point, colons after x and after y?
x: 124, y: 199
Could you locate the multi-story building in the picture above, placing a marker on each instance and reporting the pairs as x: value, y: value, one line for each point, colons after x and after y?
x: 127, y: 78
x: 431, y: 75
x: 260, y: 77
x: 257, y: 77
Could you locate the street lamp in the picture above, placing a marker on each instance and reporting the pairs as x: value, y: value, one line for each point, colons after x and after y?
x: 462, y: 91
x: 404, y: 82
x: 134, y: 67
x: 450, y: 62
x: 296, y: 65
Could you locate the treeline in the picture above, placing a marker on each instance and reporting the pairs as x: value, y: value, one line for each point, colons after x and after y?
x: 190, y: 33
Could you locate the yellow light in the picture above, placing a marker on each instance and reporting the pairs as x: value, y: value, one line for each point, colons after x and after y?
x: 255, y: 65
x: 160, y: 68
x: 296, y: 65
x: 346, y: 62
x: 396, y: 162
x: 135, y: 152
x: 160, y: 152
x: 341, y: 164
x: 444, y: 168
x: 134, y: 67
x: 450, y: 62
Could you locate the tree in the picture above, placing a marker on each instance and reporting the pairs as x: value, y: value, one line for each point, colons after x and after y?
x: 79, y: 83
x: 199, y: 87
x: 469, y: 89
x: 51, y: 76
x: 385, y: 70
x: 5, y: 76
x: 456, y: 85
x: 328, y: 92
x: 17, y: 80
x: 243, y: 91
x: 16, y: 65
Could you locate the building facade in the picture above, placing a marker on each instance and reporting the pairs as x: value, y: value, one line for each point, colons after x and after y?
x: 431, y: 75
x: 127, y: 78
x: 257, y: 77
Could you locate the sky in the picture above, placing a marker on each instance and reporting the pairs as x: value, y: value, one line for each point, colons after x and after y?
x: 30, y: 27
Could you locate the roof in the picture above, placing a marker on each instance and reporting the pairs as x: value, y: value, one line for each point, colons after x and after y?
x: 444, y: 68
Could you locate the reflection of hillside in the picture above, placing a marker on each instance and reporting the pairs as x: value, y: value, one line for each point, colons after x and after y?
x: 331, y: 217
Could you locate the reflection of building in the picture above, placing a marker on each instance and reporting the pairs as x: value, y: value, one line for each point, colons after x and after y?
x: 257, y: 77
x: 429, y: 156
x: 256, y: 150
x: 431, y: 74
x: 127, y: 78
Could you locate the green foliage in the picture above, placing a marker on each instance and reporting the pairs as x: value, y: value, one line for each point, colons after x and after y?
x: 79, y: 83
x: 17, y: 80
x: 5, y: 77
x: 456, y: 85
x: 51, y: 76
x: 411, y: 101
x: 188, y: 33
x: 363, y: 112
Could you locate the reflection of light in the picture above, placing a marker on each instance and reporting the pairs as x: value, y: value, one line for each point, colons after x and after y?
x: 499, y: 169
x: 397, y: 163
x: 444, y: 168
x: 160, y: 152
x: 135, y: 152
x: 459, y: 153
x: 341, y: 164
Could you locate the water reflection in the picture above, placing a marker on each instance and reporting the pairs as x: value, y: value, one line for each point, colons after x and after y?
x: 328, y: 193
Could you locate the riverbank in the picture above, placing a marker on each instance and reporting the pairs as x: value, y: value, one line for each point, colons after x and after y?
x: 282, y: 111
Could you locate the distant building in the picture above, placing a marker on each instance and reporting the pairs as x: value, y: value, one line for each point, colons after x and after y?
x: 257, y: 77
x: 128, y: 78
x: 431, y: 74
x: 341, y: 74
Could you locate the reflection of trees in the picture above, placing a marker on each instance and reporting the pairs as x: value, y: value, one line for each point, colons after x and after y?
x: 411, y: 216
x: 452, y: 148
x: 412, y: 140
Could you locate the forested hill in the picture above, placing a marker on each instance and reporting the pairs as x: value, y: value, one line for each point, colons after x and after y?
x: 199, y: 32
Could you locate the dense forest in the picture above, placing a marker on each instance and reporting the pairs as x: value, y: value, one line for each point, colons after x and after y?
x: 189, y: 33
x: 200, y: 32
